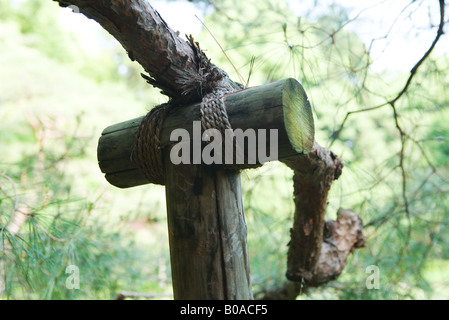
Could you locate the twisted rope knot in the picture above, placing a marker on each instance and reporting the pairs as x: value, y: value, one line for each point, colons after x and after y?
x: 147, y: 150
x: 213, y: 111
x: 147, y: 146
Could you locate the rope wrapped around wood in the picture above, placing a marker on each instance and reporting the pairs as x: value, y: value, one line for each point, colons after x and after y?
x: 147, y: 149
x: 147, y: 152
x: 213, y: 111
x: 211, y: 81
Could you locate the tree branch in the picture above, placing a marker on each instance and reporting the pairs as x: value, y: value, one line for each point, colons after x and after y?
x: 415, y: 68
x: 313, y: 176
x: 135, y: 295
x: 340, y: 238
x: 413, y: 73
x: 176, y: 66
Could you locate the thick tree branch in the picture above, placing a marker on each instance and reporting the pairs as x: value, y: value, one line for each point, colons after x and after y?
x: 176, y: 66
x: 340, y: 238
x: 313, y: 176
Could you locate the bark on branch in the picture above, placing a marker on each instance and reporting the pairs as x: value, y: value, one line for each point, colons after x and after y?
x: 340, y: 238
x: 175, y: 65
x: 318, y: 249
x: 313, y: 176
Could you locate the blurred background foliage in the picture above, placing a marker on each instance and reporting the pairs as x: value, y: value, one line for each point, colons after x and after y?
x: 59, y: 87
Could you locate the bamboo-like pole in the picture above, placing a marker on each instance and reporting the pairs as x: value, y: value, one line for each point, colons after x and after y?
x: 282, y: 106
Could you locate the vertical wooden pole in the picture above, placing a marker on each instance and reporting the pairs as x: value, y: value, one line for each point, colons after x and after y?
x: 207, y: 233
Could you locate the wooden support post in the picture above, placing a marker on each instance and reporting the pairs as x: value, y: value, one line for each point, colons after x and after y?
x: 280, y: 105
x: 207, y: 233
x: 206, y: 224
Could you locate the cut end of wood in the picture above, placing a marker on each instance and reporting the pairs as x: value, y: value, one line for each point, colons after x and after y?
x: 298, y: 117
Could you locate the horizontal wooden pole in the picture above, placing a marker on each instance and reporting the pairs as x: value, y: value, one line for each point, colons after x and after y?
x: 282, y: 105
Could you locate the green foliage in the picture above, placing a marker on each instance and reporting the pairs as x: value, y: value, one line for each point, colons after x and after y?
x: 398, y: 188
x: 56, y: 210
x: 45, y: 226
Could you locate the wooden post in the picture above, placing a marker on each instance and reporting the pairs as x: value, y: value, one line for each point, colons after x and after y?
x: 206, y: 224
x: 207, y: 234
